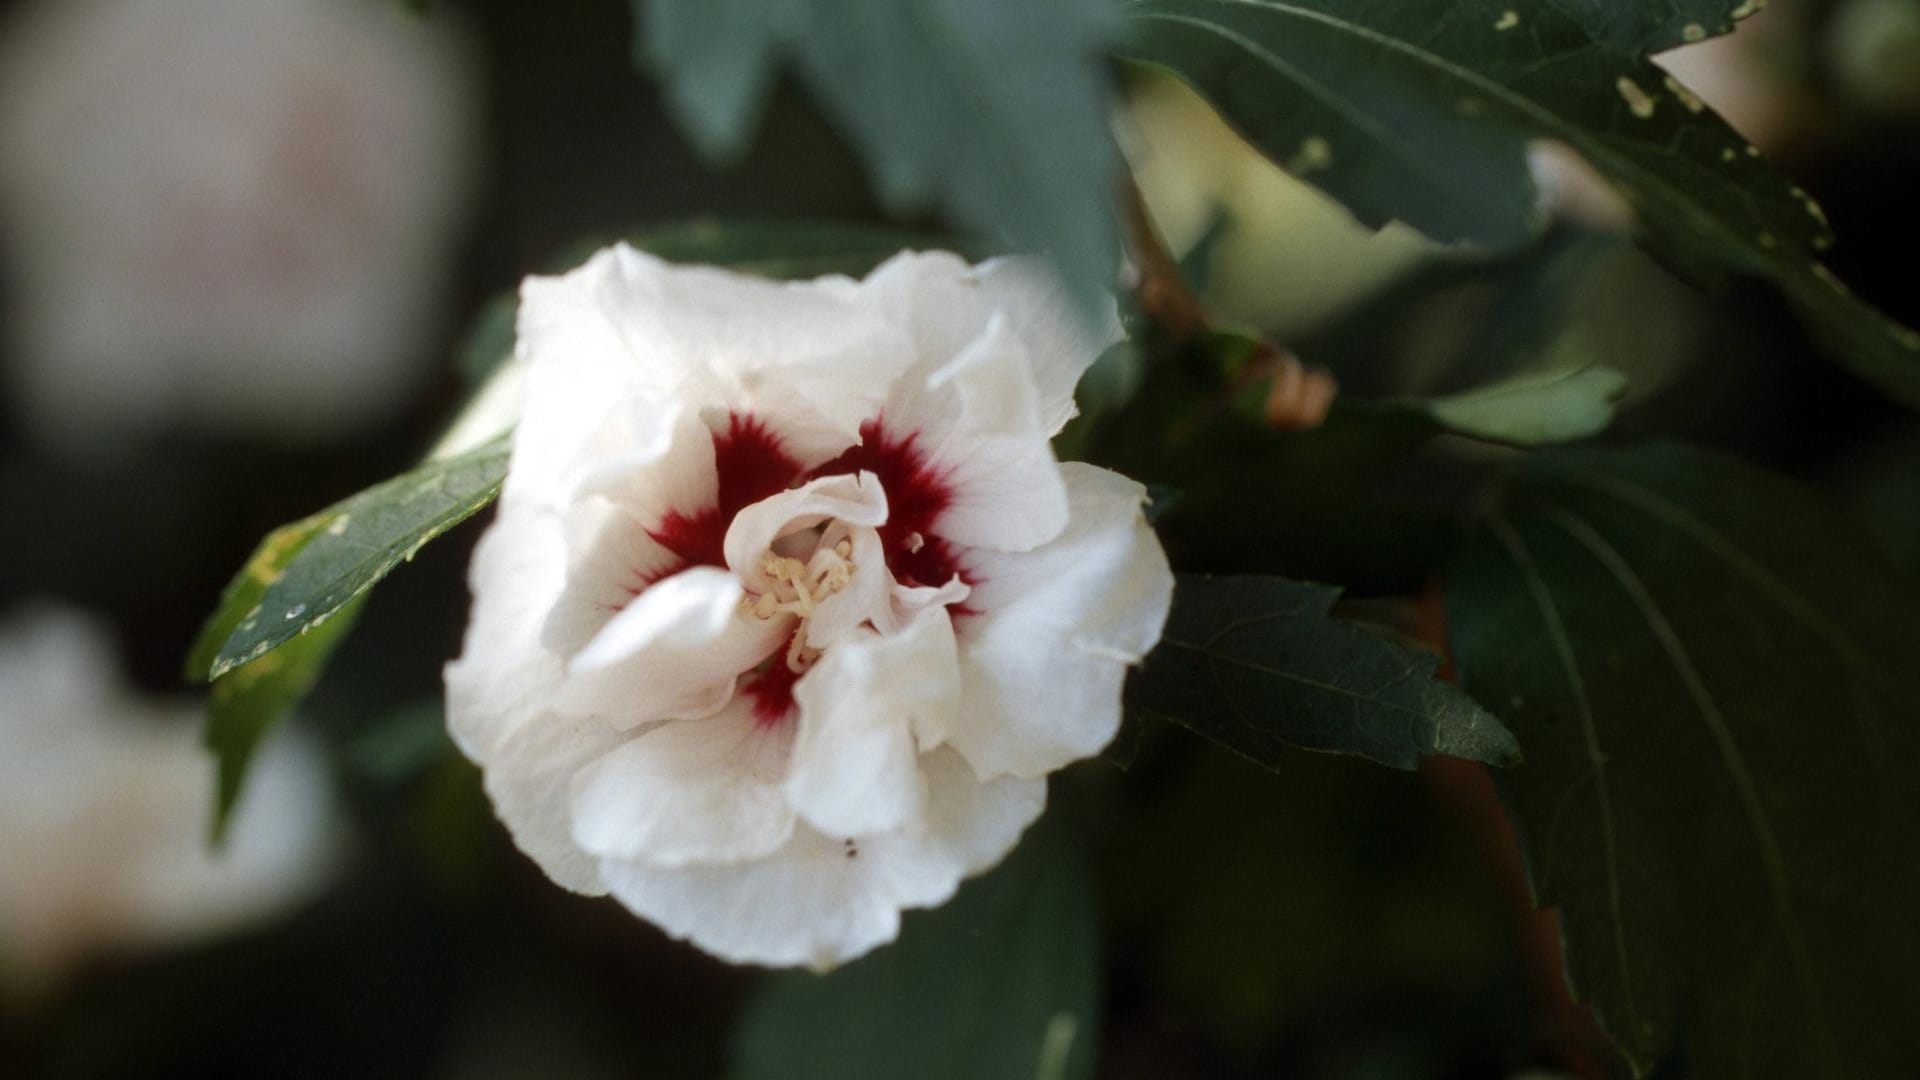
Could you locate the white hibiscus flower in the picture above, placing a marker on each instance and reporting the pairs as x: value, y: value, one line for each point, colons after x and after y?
x: 789, y: 609
x: 226, y: 215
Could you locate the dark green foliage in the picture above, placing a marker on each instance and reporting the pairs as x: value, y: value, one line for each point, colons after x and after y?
x: 1708, y: 667
x: 1423, y: 111
x: 1258, y: 665
x: 994, y: 111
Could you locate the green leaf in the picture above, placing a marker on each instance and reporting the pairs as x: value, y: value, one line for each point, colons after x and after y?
x: 489, y: 341
x: 244, y: 705
x: 1108, y: 384
x: 1534, y: 409
x: 1249, y: 897
x: 283, y: 615
x: 1258, y: 665
x: 403, y: 744
x: 716, y: 63
x: 1649, y: 26
x: 303, y: 577
x: 1711, y: 670
x: 1000, y: 983
x: 1422, y: 110
x: 1299, y: 503
x: 248, y: 588
x: 995, y: 111
x: 787, y: 248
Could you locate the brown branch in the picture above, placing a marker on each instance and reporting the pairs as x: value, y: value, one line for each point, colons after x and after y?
x: 1561, y: 1022
x: 1300, y: 395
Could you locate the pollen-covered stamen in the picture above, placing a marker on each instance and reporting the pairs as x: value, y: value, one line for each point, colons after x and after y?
x: 792, y: 587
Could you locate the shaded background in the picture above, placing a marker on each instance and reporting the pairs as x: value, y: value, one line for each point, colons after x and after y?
x: 1335, y: 921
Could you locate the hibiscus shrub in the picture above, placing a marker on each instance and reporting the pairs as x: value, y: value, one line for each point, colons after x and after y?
x: 831, y: 575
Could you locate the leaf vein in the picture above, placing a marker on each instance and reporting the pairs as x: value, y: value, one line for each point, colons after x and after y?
x: 1773, y: 860
x: 1542, y: 595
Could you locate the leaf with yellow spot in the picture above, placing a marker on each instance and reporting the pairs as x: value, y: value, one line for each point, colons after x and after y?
x: 1381, y: 86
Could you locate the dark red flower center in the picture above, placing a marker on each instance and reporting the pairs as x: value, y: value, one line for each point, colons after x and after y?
x: 770, y: 688
x: 917, y: 494
x: 750, y: 464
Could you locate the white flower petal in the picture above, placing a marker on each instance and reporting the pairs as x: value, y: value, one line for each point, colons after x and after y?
x: 824, y: 901
x: 504, y: 675
x: 578, y: 369
x: 868, y: 595
x: 948, y: 302
x: 227, y: 217
x: 983, y: 434
x: 1059, y: 345
x: 687, y: 791
x: 690, y: 608
x: 854, y: 500
x: 650, y: 457
x: 910, y: 600
x: 675, y: 651
x: 865, y: 708
x: 969, y: 826
x: 1043, y: 662
x: 813, y: 353
x: 613, y: 560
x: 529, y: 777
x: 800, y: 905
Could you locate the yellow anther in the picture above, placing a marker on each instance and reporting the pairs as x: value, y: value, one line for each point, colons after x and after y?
x: 791, y: 587
x: 799, y: 656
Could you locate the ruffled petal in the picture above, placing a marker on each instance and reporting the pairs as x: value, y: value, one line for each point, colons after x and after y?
x: 814, y: 353
x: 979, y: 422
x: 868, y: 595
x: 1043, y: 662
x: 910, y: 600
x: 948, y: 302
x: 856, y: 500
x: 529, y: 776
x: 824, y: 901
x: 1059, y: 344
x: 650, y: 459
x: 504, y: 675
x: 704, y: 790
x: 578, y: 370
x: 969, y: 826
x: 675, y: 652
x: 865, y: 709
x: 612, y: 561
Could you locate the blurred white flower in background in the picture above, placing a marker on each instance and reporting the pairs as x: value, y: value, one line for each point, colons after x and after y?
x: 789, y: 609
x: 233, y: 214
x: 105, y: 807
